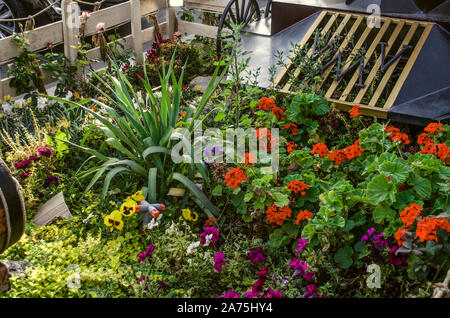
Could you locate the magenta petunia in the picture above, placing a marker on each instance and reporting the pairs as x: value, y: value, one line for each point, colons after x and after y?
x: 256, y: 255
x: 230, y: 294
x: 210, y: 234
x: 219, y: 261
x: 44, y: 152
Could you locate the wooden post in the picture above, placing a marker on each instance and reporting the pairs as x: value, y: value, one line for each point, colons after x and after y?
x: 136, y: 29
x: 171, y: 19
x: 71, y: 27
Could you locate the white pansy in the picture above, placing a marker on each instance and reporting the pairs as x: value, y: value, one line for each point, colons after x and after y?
x: 7, y: 107
x: 152, y: 224
x: 208, y: 239
x: 170, y: 229
x: 192, y: 247
x: 41, y: 101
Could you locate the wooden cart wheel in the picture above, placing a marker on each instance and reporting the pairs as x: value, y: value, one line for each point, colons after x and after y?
x: 237, y: 12
x: 12, y: 209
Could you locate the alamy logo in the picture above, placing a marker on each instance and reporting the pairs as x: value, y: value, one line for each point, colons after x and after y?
x: 374, y: 279
x: 74, y: 279
x: 210, y: 146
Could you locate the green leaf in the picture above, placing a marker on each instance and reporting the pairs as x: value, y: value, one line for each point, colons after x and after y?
x: 422, y: 187
x: 382, y: 212
x: 198, y: 193
x: 398, y: 170
x: 217, y: 191
x: 220, y: 116
x: 281, y: 199
x: 380, y: 189
x: 276, y: 238
x: 344, y: 257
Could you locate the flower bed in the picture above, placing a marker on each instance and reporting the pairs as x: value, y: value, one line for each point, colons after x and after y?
x: 350, y: 194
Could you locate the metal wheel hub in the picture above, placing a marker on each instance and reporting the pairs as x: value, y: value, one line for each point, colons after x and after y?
x: 6, y: 28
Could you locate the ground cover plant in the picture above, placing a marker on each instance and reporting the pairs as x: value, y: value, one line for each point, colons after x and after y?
x: 358, y: 207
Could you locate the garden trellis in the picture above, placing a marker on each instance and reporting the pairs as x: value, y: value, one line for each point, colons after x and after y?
x: 63, y: 32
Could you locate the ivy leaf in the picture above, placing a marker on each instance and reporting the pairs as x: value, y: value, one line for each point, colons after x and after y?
x: 344, y: 257
x: 380, y: 189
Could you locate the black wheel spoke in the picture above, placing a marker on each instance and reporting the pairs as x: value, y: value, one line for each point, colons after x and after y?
x: 237, y: 11
x: 233, y: 17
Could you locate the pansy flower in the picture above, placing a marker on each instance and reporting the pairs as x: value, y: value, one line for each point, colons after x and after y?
x: 128, y: 208
x: 114, y: 220
x: 138, y: 196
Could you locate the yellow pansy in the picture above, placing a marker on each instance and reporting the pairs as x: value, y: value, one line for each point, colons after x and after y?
x: 190, y: 216
x: 138, y: 196
x: 114, y: 220
x: 128, y: 208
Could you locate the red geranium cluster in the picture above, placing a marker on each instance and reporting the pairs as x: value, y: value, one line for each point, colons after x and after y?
x: 354, y: 112
x: 340, y: 155
x: 268, y: 104
x: 234, y: 177
x: 396, y: 135
x: 278, y: 215
x: 290, y: 146
x: 440, y: 150
x: 296, y: 187
x: 426, y: 228
x: 320, y: 149
x: 303, y: 215
x: 291, y: 128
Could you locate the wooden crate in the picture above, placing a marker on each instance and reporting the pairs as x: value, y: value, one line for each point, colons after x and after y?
x: 350, y: 34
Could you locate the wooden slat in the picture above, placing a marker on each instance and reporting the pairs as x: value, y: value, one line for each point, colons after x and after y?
x: 197, y: 28
x: 377, y: 65
x: 373, y: 46
x: 412, y: 59
x: 342, y: 46
x: 39, y: 39
x: 208, y: 5
x: 305, y: 39
x: 323, y: 33
x: 387, y: 75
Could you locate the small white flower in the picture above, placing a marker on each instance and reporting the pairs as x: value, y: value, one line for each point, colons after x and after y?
x: 208, y: 239
x: 152, y: 224
x: 192, y: 247
x: 41, y: 101
x: 7, y: 107
x: 69, y: 95
x: 91, y: 215
x: 170, y: 229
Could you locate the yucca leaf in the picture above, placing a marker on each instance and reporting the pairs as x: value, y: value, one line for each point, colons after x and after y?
x: 197, y: 192
x: 109, y: 176
x: 152, y: 181
x: 154, y: 149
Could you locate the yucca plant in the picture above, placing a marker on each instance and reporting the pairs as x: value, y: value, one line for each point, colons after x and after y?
x: 140, y: 132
